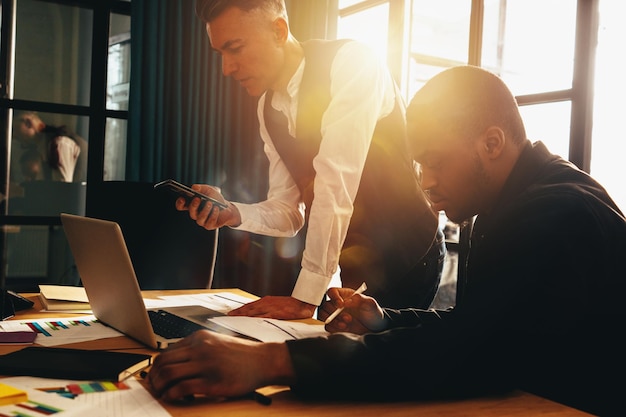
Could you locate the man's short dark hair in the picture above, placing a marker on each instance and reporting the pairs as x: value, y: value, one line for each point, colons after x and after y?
x: 208, y: 10
x: 468, y: 99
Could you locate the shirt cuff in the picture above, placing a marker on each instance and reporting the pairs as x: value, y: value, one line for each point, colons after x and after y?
x: 310, y: 287
x: 243, y: 214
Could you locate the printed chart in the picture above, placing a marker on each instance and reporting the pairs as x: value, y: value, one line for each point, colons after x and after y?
x: 40, y: 404
x: 59, y: 331
x: 74, y: 390
x: 84, y: 398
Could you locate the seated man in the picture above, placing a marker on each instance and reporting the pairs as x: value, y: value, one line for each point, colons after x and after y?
x: 542, y: 286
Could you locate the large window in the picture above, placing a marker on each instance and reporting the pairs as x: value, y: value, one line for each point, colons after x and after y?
x: 609, y: 137
x: 64, y: 79
x: 375, y: 18
x: 543, y: 49
x: 438, y: 38
x: 536, y: 64
x: 538, y: 61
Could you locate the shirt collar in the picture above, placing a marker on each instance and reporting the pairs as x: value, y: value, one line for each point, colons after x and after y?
x: 293, y: 87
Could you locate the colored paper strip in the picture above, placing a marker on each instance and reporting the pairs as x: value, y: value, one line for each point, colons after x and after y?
x: 39, y: 407
x: 36, y: 327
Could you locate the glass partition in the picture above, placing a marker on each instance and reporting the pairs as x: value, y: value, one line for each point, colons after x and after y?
x: 52, y: 52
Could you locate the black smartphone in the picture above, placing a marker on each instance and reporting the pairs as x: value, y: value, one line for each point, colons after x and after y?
x: 187, y: 192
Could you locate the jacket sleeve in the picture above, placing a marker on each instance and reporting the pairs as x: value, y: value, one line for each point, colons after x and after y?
x: 387, y: 365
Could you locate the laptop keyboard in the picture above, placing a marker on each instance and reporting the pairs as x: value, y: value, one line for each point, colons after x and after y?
x: 171, y: 326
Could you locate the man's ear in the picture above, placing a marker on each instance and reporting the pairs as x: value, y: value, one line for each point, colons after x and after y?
x: 493, y: 141
x: 281, y: 30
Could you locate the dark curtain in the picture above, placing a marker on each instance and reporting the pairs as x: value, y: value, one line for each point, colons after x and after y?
x: 188, y: 122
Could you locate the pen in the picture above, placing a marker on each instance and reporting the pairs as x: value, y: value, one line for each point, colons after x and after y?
x: 142, y: 373
x: 335, y: 313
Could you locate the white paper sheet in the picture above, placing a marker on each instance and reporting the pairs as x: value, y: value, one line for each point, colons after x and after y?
x: 220, y: 301
x: 270, y: 330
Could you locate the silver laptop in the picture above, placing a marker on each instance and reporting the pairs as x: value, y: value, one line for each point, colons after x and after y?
x: 107, y: 274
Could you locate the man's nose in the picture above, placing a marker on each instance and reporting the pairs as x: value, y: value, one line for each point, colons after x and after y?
x: 228, y: 66
x: 427, y: 180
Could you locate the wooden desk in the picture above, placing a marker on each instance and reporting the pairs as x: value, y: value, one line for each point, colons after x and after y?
x: 284, y: 403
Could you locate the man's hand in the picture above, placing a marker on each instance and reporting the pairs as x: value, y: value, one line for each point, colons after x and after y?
x: 209, y: 216
x: 361, y: 313
x: 276, y: 307
x: 218, y: 366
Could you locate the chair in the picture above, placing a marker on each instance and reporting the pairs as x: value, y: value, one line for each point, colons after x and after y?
x: 167, y: 248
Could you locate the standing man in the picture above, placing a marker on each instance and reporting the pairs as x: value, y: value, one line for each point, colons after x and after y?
x: 333, y: 126
x: 543, y: 303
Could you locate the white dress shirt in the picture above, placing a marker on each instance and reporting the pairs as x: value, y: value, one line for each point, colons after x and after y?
x: 362, y: 92
x: 67, y: 151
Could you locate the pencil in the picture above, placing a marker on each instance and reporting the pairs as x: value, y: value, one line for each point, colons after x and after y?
x: 335, y: 313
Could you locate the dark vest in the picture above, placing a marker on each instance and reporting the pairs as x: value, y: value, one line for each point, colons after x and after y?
x: 392, y: 226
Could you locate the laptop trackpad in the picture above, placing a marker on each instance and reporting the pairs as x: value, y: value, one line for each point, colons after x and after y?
x: 201, y: 316
x: 195, y: 313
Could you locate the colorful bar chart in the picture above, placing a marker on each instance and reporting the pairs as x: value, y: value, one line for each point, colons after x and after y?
x: 46, y: 327
x: 59, y: 331
x: 73, y: 390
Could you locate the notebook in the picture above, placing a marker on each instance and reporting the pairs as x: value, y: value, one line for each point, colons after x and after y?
x: 107, y: 273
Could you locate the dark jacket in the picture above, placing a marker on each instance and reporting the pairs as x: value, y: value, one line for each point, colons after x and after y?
x: 542, y: 307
